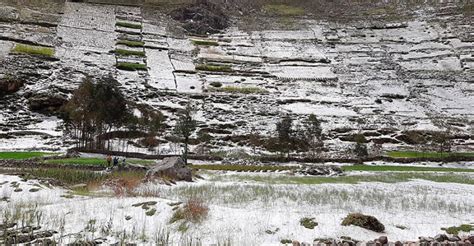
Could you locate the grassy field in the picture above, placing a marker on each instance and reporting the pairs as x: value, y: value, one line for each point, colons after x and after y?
x: 213, y: 68
x: 403, y: 169
x: 22, y: 155
x: 283, y: 10
x: 414, y: 154
x: 33, y: 50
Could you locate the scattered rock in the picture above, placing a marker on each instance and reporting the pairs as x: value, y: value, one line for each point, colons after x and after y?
x: 9, y: 85
x: 383, y: 240
x: 441, y: 237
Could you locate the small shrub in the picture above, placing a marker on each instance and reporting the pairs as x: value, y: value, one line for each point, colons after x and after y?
x: 131, y: 43
x: 365, y: 221
x: 33, y: 50
x: 128, y: 66
x: 286, y: 241
x: 194, y: 210
x: 308, y: 223
x: 123, y: 52
x: 214, y: 68
x: 128, y: 25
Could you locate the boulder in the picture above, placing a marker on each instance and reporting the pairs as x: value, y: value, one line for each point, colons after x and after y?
x: 441, y: 237
x: 172, y: 168
x: 365, y: 221
x: 383, y: 240
x: 47, y: 101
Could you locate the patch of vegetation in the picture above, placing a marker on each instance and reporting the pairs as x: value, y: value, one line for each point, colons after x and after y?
x: 415, y: 154
x: 79, y: 161
x: 216, y: 84
x: 205, y: 42
x: 150, y: 212
x: 194, y: 210
x: 365, y: 221
x: 456, y: 229
x: 23, y: 155
x: 308, y: 223
x: 383, y: 168
x: 240, y: 90
x: 123, y: 52
x: 244, y: 168
x: 33, y: 50
x: 401, y: 227
x: 285, y: 241
x: 129, y: 66
x: 283, y: 10
x: 214, y: 68
x: 128, y: 25
x: 131, y: 43
x: 34, y: 190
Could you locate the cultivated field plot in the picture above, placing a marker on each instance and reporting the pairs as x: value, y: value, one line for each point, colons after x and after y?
x: 232, y: 208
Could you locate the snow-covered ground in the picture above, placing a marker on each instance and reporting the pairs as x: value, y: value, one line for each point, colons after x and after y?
x: 245, y: 212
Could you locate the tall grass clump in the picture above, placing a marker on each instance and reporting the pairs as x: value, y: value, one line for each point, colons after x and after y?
x: 33, y: 50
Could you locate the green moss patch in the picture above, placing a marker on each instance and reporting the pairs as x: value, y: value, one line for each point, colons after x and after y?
x: 213, y: 68
x: 456, y: 229
x: 365, y: 221
x: 205, y: 42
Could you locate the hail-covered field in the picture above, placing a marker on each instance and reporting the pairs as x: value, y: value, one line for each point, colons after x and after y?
x: 243, y: 209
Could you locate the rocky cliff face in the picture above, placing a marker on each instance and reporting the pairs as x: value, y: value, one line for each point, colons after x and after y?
x: 390, y: 76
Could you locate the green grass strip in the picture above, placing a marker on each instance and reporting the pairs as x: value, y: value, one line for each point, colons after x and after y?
x: 403, y: 169
x: 204, y: 42
x: 242, y: 168
x: 95, y: 161
x: 22, y: 155
x: 237, y: 90
x: 131, y: 66
x: 131, y: 43
x: 213, y: 68
x: 128, y: 25
x: 414, y: 154
x: 123, y: 52
x: 33, y: 50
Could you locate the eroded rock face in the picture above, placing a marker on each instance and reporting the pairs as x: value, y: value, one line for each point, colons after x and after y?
x: 46, y: 101
x: 201, y: 18
x: 8, y: 86
x: 170, y: 167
